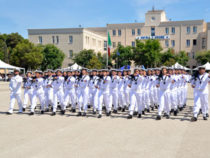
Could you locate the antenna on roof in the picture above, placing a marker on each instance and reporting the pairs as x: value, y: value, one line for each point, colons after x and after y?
x: 80, y: 25
x: 153, y: 8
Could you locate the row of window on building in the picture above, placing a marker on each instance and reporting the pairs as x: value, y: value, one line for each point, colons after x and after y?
x: 167, y: 30
x: 55, y: 39
x: 188, y: 43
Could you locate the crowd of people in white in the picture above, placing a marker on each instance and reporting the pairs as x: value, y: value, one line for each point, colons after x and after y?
x: 112, y: 90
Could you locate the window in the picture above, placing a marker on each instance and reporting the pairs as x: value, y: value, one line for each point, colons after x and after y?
x: 119, y: 43
x: 188, y: 30
x: 40, y: 39
x: 57, y: 39
x: 119, y: 32
x: 133, y: 44
x: 166, y: 43
x: 173, y: 43
x: 133, y: 32
x: 173, y: 31
x: 203, y: 43
x: 167, y: 30
x: 114, y: 44
x: 71, y: 39
x: 70, y: 54
x: 139, y: 31
x: 53, y: 39
x: 114, y: 32
x: 188, y: 54
x: 194, y: 29
x: 194, y: 42
x: 188, y: 43
x: 152, y: 31
x: 105, y: 45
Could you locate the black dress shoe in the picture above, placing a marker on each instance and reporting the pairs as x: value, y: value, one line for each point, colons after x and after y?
x: 99, y: 116
x: 47, y: 110
x: 205, y: 118
x: 158, y: 117
x: 9, y: 113
x: 73, y: 110
x: 143, y: 113
x: 148, y: 110
x: 89, y: 106
x: 94, y: 112
x: 181, y: 108
x: 53, y: 113
x: 129, y: 117
x: 164, y: 115
x: 42, y: 112
x: 115, y: 111
x: 31, y: 113
x: 84, y: 114
x: 79, y: 114
x: 175, y: 112
x: 207, y: 115
x: 108, y: 113
x: 119, y: 108
x: 135, y: 113
x: 193, y: 119
x: 123, y: 109
x: 139, y: 115
x: 152, y: 108
x: 167, y: 116
x: 24, y: 109
x: 63, y: 112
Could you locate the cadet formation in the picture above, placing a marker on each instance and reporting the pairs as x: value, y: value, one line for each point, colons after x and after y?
x: 111, y: 91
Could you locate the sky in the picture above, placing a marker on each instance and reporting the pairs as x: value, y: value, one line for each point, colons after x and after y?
x: 20, y: 15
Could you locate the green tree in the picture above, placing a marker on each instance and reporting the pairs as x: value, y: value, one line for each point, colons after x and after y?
x: 94, y: 63
x: 53, y: 57
x: 27, y: 55
x: 123, y: 55
x: 83, y: 57
x: 168, y: 58
x: 103, y: 59
x: 147, y: 53
x: 7, y: 44
x: 182, y: 58
x: 203, y: 57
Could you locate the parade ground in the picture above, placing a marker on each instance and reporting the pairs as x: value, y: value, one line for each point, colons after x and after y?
x: 42, y: 136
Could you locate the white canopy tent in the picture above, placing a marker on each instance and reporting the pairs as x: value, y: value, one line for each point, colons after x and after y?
x: 177, y: 65
x: 75, y: 66
x: 6, y: 66
x: 207, y: 66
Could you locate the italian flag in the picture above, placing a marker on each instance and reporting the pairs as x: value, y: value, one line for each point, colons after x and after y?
x: 109, y: 44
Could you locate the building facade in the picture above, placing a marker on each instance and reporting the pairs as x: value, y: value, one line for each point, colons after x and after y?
x: 191, y: 36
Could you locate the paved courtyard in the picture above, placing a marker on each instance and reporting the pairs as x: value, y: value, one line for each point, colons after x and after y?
x: 41, y: 136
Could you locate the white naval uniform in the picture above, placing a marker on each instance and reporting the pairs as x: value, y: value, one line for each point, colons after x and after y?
x: 127, y: 90
x: 115, y: 90
x: 38, y: 92
x: 15, y: 88
x: 28, y: 91
x: 122, y: 102
x: 48, y: 89
x: 58, y: 93
x: 201, y: 94
x: 94, y: 98
x: 164, y: 95
x: 173, y: 93
x: 83, y: 93
x: 136, y: 95
x: 70, y: 92
x: 105, y: 94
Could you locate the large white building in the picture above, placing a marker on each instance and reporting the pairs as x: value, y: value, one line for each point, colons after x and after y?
x: 191, y: 36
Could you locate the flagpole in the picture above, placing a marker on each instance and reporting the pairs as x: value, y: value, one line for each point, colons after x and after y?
x: 107, y: 56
